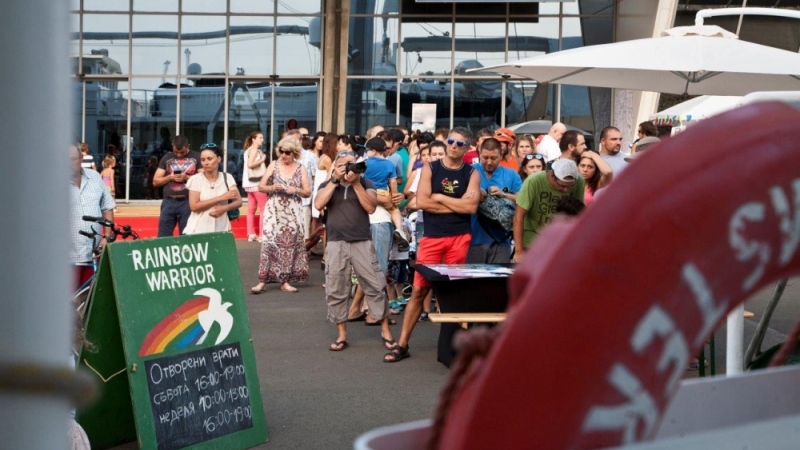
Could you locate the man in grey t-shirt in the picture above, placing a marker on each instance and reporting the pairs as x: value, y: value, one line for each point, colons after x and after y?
x: 610, y: 146
x: 349, y: 200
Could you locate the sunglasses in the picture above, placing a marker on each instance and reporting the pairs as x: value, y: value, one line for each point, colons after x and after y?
x: 208, y: 145
x: 452, y: 141
x: 285, y: 152
x: 346, y: 153
x: 531, y: 156
x: 500, y: 133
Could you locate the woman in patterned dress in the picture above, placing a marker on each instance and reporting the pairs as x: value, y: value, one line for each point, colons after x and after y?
x: 283, y: 253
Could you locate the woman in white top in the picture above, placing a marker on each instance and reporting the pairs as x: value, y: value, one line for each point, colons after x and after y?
x: 208, y: 195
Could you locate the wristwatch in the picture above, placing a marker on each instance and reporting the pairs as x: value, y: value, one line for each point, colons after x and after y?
x: 334, y: 180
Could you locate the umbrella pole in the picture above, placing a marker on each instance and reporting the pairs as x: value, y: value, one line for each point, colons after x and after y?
x: 741, y: 17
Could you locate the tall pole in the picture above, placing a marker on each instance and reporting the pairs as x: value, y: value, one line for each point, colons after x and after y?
x: 35, y: 329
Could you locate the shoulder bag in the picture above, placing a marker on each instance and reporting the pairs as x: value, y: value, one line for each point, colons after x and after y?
x: 233, y: 214
x: 258, y: 172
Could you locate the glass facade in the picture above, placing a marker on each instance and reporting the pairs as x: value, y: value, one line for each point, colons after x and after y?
x: 146, y: 70
x: 403, y: 52
x: 216, y: 70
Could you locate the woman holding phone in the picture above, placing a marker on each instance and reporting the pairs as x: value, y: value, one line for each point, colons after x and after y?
x: 283, y: 252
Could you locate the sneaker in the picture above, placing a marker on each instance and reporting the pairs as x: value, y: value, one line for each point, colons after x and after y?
x: 260, y: 238
x: 396, y: 306
x: 251, y: 238
x: 424, y: 317
x: 402, y: 301
x: 402, y: 239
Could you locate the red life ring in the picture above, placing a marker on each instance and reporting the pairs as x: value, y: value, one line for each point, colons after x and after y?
x: 608, y: 309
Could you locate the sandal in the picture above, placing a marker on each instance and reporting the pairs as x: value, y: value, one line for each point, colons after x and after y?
x: 360, y: 318
x: 397, y: 354
x: 388, y: 343
x: 339, y: 346
x: 258, y: 290
x: 290, y: 289
x: 378, y: 323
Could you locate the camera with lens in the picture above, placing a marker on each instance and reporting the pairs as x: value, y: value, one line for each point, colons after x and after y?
x: 356, y: 167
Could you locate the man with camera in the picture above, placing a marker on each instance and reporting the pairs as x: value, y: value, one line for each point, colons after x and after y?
x: 349, y: 200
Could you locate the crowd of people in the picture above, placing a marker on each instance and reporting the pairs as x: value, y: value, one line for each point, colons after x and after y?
x: 378, y: 204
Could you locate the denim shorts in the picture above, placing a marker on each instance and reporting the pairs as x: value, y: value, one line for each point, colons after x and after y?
x: 398, y: 271
x: 382, y: 240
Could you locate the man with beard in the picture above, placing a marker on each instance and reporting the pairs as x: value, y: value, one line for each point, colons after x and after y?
x: 610, y: 146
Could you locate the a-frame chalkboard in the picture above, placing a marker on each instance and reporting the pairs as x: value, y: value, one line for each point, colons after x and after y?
x: 174, y: 352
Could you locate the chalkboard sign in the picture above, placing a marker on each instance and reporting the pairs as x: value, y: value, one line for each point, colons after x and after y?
x: 201, y: 390
x: 175, y: 353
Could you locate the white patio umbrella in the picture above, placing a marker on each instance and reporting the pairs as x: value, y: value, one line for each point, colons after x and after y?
x: 694, y: 109
x: 685, y: 60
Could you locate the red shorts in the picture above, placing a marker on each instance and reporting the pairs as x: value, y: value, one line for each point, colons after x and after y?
x: 438, y: 250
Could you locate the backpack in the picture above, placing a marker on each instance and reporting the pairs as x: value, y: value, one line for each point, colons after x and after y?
x: 497, y: 212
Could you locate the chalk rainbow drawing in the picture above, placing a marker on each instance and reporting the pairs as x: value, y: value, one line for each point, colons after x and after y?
x: 202, y: 311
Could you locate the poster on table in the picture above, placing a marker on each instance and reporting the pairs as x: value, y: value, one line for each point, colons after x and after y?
x: 174, y: 352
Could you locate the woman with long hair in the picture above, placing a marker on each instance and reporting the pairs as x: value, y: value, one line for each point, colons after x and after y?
x: 253, y: 159
x: 530, y: 164
x: 109, y: 162
x: 525, y: 145
x: 211, y: 195
x: 596, y: 172
x: 283, y: 252
x: 316, y: 142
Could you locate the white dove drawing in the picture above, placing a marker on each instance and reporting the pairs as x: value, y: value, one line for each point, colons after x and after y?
x: 216, y: 312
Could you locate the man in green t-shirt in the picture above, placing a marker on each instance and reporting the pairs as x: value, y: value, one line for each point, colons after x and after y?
x: 538, y: 199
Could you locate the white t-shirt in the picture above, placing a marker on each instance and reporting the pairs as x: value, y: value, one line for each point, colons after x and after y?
x: 202, y: 222
x: 380, y: 215
x: 549, y: 148
x: 413, y: 188
x: 309, y: 161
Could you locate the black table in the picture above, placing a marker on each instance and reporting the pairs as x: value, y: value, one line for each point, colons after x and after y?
x: 467, y: 295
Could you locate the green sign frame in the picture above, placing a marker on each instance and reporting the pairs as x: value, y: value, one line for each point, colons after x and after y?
x: 174, y: 352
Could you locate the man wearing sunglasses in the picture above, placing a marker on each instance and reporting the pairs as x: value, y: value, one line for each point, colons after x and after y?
x: 538, y: 200
x: 448, y: 193
x: 173, y: 171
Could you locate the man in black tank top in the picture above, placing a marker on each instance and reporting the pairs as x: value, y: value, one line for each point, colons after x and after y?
x: 448, y: 192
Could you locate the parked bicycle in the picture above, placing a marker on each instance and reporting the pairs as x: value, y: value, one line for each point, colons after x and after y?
x: 83, y: 294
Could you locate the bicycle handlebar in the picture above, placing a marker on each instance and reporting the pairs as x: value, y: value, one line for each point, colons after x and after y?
x: 125, y: 232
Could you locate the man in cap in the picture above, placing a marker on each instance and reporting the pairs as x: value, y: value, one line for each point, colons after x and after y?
x: 506, y: 138
x: 537, y: 201
x: 548, y: 146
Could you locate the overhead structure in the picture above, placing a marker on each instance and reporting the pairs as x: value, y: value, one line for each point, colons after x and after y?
x: 694, y: 60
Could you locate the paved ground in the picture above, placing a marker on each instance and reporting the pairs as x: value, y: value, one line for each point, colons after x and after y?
x: 317, y: 399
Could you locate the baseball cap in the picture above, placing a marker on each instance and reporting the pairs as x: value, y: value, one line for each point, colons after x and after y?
x: 565, y: 168
x: 642, y: 145
x: 505, y: 135
x: 376, y: 144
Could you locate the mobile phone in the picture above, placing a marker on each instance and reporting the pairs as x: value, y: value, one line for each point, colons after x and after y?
x: 177, y: 172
